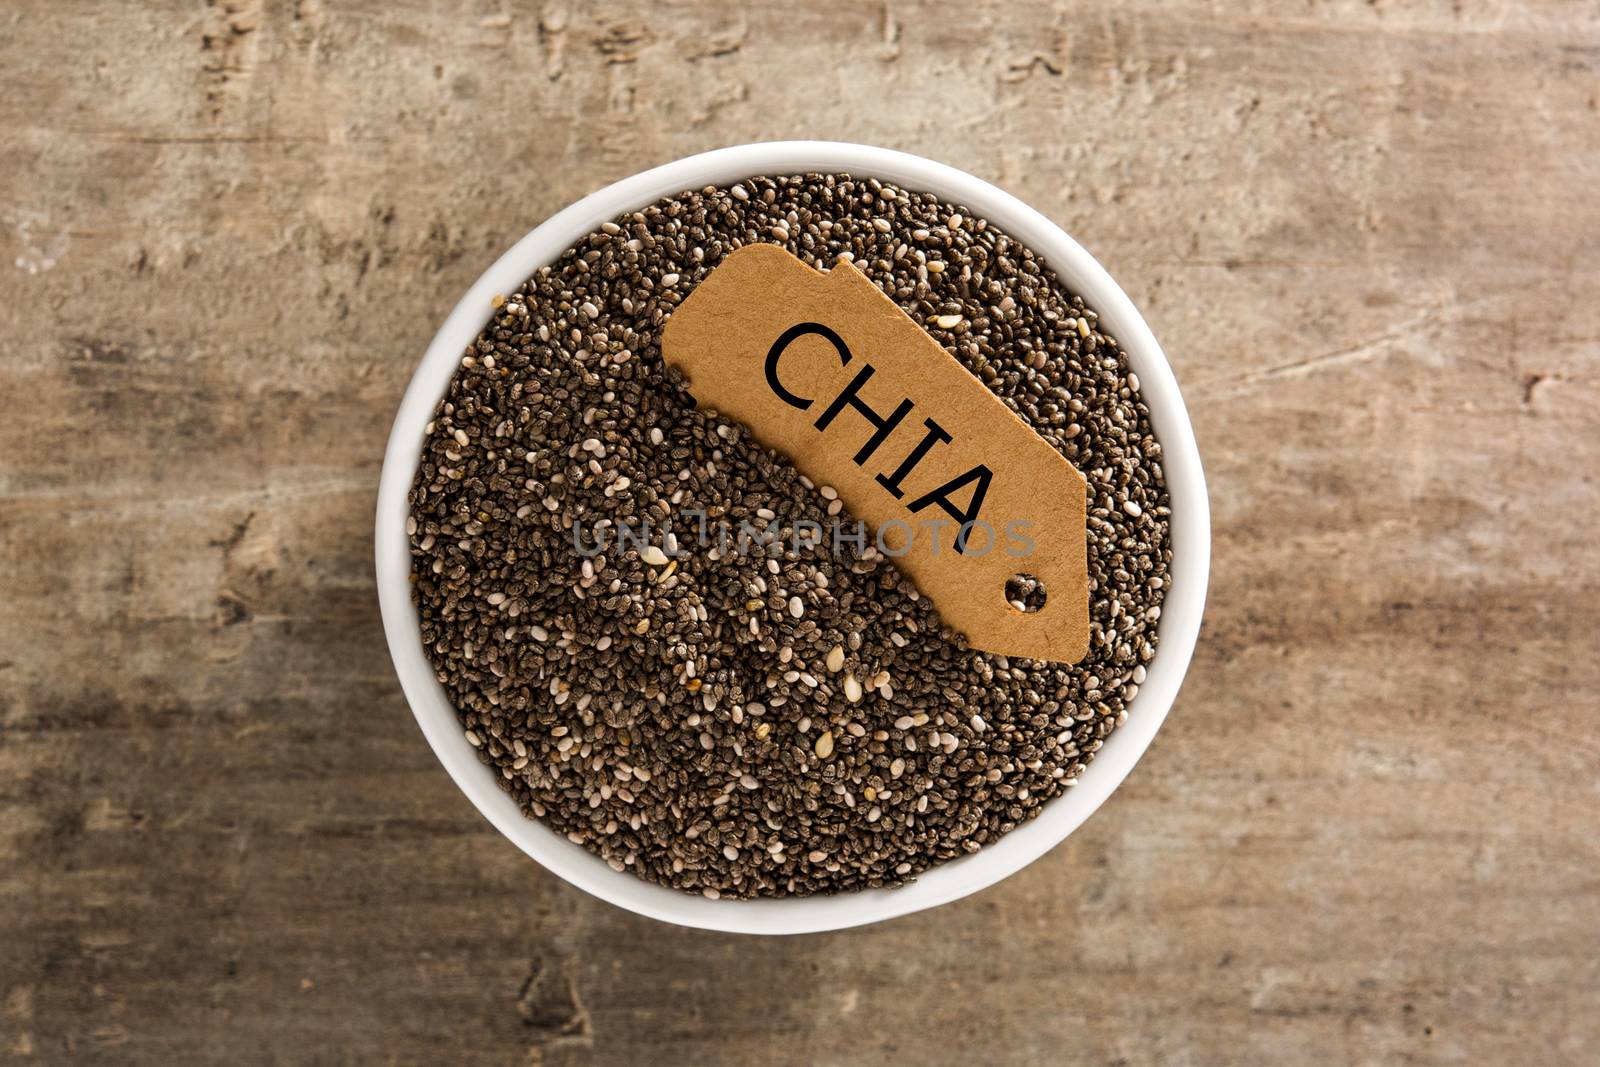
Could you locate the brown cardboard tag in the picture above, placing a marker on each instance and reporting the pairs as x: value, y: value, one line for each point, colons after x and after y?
x: 829, y: 371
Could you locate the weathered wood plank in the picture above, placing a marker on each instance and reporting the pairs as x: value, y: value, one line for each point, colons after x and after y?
x: 1366, y: 235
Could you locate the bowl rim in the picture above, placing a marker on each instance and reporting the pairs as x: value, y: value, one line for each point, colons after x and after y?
x: 1179, y: 622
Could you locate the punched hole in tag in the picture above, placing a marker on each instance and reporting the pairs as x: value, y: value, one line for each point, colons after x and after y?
x: 1026, y: 593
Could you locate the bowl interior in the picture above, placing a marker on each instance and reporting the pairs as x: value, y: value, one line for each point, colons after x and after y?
x: 1180, y: 617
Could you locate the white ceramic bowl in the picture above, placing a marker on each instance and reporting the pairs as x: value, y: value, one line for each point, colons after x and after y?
x: 1180, y: 614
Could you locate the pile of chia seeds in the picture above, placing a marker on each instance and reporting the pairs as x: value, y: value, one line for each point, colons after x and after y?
x: 778, y: 721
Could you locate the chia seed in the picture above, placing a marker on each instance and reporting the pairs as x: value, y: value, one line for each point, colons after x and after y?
x: 788, y: 721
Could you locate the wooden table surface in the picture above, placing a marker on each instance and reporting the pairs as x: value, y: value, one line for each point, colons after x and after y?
x: 1369, y: 237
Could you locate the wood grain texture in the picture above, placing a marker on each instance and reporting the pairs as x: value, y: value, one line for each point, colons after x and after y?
x: 1366, y: 234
